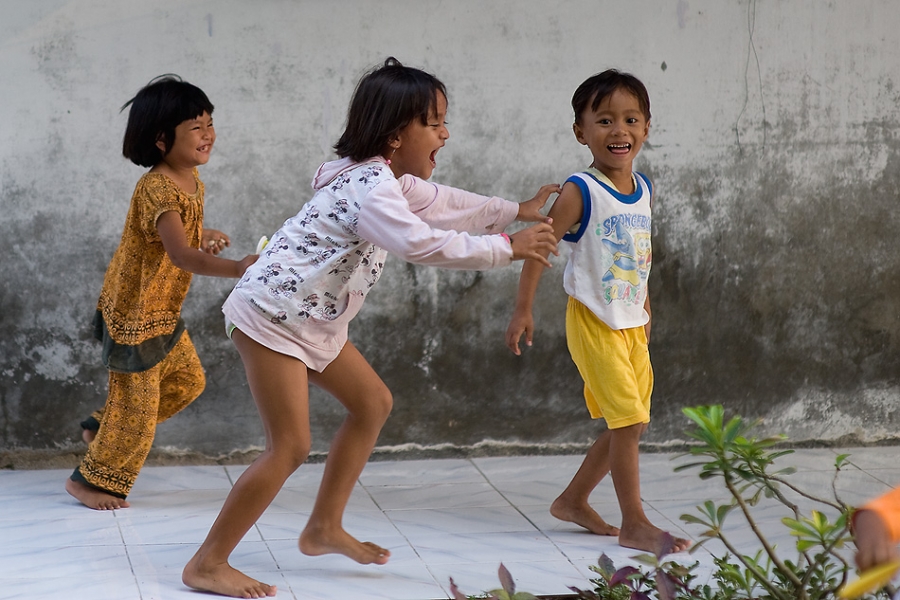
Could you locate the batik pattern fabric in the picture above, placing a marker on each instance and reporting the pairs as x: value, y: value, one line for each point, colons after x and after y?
x: 136, y: 404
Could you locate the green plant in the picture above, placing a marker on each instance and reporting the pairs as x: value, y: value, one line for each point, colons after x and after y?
x: 745, y: 464
x: 667, y: 580
x: 506, y: 592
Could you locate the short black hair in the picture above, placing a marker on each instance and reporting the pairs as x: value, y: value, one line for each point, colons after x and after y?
x: 386, y: 100
x: 597, y: 87
x: 156, y: 110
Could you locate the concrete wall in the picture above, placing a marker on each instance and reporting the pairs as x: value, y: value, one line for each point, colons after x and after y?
x: 773, y: 147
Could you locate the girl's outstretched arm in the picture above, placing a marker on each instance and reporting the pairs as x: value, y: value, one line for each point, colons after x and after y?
x: 530, y: 210
x: 445, y: 207
x: 386, y: 220
x: 186, y: 258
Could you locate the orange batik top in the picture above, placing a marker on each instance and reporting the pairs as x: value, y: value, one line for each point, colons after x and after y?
x: 140, y: 302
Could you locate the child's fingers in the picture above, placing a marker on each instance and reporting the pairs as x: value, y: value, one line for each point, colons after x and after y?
x: 543, y: 260
x: 512, y: 342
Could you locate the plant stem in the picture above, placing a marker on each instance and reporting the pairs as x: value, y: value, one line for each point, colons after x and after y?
x: 765, y: 543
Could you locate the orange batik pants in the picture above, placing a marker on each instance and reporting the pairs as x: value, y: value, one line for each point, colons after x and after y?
x: 136, y: 403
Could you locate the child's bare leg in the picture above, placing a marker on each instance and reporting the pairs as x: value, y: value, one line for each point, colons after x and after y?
x: 355, y: 384
x: 280, y: 388
x: 94, y: 497
x: 637, y: 530
x: 572, y: 505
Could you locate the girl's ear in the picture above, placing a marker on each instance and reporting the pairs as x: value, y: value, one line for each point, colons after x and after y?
x: 161, y: 143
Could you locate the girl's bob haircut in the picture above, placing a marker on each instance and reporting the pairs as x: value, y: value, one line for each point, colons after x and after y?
x: 156, y: 110
x: 601, y: 85
x: 386, y: 100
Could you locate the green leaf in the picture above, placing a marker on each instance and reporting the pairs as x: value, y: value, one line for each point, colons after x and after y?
x: 605, y: 567
x: 695, y: 520
x: 647, y: 559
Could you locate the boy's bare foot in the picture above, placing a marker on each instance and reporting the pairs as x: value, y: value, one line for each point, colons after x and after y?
x: 649, y: 538
x: 582, y: 515
x: 88, y: 435
x: 314, y: 542
x: 225, y: 580
x: 94, y: 498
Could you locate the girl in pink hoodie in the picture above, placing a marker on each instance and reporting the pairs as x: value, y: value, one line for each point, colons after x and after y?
x: 288, y: 315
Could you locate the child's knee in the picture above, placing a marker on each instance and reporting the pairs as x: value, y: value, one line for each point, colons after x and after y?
x: 292, y: 454
x: 384, y: 403
x: 630, y: 431
x: 379, y: 405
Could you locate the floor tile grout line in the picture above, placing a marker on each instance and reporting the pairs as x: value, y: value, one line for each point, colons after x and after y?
x: 524, y: 516
x: 412, y: 546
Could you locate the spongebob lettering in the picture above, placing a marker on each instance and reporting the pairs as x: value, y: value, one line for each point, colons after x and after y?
x: 629, y: 255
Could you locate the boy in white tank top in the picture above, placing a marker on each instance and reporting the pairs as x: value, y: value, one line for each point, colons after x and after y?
x: 605, y: 213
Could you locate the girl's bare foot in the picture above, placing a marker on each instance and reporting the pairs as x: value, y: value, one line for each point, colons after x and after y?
x: 649, y: 538
x: 88, y: 435
x: 225, y: 580
x: 582, y: 515
x: 94, y: 498
x: 314, y: 542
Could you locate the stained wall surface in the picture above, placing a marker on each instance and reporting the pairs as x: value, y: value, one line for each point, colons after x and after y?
x: 773, y: 149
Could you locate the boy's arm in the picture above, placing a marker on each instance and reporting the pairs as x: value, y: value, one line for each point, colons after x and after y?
x: 649, y: 315
x: 171, y: 232
x: 566, y: 211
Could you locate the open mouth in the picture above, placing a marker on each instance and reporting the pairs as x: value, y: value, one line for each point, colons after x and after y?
x: 619, y: 148
x: 432, y: 158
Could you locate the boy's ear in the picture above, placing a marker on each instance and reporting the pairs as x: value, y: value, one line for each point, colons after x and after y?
x: 579, y: 134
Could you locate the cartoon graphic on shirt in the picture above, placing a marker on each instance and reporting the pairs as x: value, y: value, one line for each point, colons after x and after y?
x: 629, y: 256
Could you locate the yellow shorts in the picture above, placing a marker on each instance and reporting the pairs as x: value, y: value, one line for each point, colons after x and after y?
x: 615, y: 366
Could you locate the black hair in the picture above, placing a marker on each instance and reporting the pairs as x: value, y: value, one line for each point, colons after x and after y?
x: 156, y: 110
x: 600, y: 86
x: 386, y: 100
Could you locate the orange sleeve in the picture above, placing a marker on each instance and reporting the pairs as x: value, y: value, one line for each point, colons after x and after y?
x: 888, y: 508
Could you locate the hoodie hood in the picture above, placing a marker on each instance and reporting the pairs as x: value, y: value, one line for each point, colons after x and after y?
x: 331, y: 169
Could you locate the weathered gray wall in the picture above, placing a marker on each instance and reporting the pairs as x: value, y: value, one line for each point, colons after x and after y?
x: 773, y: 147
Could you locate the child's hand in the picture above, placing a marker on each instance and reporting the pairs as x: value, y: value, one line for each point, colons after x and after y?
x: 536, y: 242
x: 873, y: 542
x: 520, y: 323
x: 245, y: 263
x: 213, y: 241
x: 529, y: 211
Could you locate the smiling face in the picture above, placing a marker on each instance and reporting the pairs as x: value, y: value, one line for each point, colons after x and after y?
x: 194, y: 140
x: 614, y: 132
x: 415, y: 147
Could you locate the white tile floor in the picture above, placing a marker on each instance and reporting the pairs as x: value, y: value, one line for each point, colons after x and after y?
x: 455, y: 518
